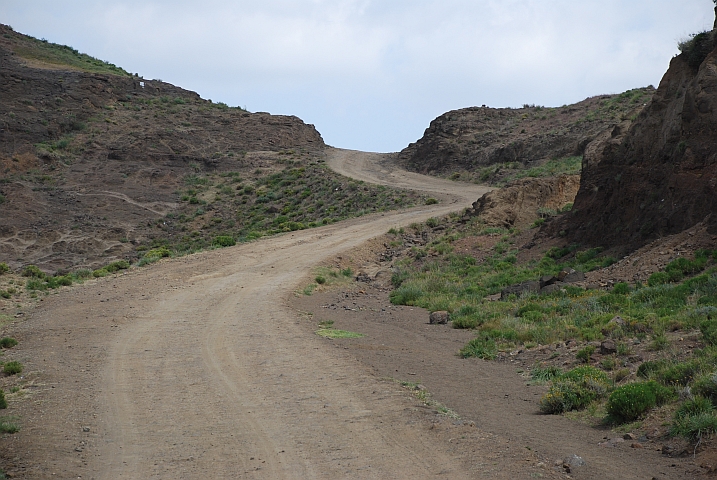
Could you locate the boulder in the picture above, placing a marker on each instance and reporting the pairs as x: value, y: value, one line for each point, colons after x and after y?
x: 546, y: 280
x: 571, y: 276
x: 553, y: 287
x: 438, y: 318
x: 363, y: 277
x: 608, y: 347
x: 519, y: 289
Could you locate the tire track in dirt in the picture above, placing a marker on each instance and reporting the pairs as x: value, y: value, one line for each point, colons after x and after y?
x: 205, y: 371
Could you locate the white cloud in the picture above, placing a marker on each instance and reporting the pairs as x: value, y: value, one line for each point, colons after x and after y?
x: 372, y: 73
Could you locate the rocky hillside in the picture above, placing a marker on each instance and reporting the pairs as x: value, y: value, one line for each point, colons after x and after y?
x: 467, y: 142
x: 92, y: 157
x: 659, y: 175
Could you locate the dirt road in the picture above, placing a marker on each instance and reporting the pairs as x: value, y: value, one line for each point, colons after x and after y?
x: 196, y: 367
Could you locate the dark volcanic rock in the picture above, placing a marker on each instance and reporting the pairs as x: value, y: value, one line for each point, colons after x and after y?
x: 525, y: 287
x: 660, y: 176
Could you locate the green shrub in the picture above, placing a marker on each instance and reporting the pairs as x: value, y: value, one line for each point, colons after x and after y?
x: 35, y: 284
x: 694, y: 427
x: 575, y: 390
x: 694, y: 418
x: 587, y: 374
x: 406, y: 295
x: 696, y: 406
x: 621, y: 288
x: 629, y: 402
x: 621, y: 375
x: 33, y: 271
x: 7, y: 342
x: 709, y: 331
x: 398, y: 277
x: 12, y: 368
x: 224, y: 241
x: 347, y: 272
x: 481, y: 347
x: 82, y: 274
x: 431, y: 201
x: 544, y: 374
x: 8, y: 426
x: 706, y: 386
x: 608, y: 363
x: 679, y: 374
x: 651, y: 367
x: 3, y: 401
x: 565, y: 396
x: 537, y: 223
x: 696, y: 48
x: 100, y: 272
x: 117, y: 266
x: 681, y: 267
x: 320, y: 279
x: 160, y: 252
x: 659, y: 342
x: 432, y: 222
x: 56, y: 282
x: 585, y: 353
x: 658, y: 278
x: 4, y: 268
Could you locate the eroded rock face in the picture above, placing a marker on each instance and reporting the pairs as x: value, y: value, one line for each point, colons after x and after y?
x: 659, y: 176
x: 517, y: 205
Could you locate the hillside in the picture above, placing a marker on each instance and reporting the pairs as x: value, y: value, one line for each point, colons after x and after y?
x: 97, y: 165
x: 496, y: 145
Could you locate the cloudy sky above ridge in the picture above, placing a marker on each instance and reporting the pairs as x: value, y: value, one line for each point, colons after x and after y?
x: 372, y: 74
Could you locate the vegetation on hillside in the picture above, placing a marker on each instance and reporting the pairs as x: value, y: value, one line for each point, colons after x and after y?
x: 55, y: 54
x: 680, y: 298
x: 244, y: 207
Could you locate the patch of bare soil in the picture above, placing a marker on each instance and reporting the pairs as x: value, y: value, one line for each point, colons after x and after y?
x: 497, y: 397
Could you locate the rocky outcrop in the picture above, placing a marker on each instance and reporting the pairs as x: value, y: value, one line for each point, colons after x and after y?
x: 659, y: 176
x: 518, y: 204
x: 471, y: 138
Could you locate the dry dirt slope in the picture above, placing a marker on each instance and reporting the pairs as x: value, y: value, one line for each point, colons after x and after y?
x: 195, y: 368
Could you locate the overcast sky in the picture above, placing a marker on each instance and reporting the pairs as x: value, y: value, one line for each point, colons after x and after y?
x: 372, y: 74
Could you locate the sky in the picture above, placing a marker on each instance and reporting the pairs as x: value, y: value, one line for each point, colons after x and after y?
x: 372, y: 74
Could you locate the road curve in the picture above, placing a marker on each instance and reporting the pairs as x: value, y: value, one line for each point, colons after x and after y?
x: 196, y: 367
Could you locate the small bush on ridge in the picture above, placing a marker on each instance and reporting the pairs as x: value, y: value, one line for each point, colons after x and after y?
x: 224, y: 241
x: 575, y: 390
x: 629, y: 402
x: 33, y: 271
x: 7, y: 342
x: 484, y: 348
x: 12, y: 368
